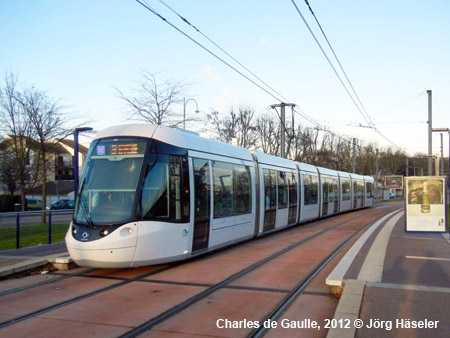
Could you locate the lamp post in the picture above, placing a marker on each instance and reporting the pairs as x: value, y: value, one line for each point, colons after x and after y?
x: 185, y: 102
x: 75, y: 157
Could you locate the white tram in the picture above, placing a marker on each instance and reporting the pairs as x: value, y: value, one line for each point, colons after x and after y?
x: 152, y: 194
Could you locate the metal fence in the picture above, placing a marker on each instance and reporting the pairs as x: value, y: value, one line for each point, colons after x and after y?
x: 26, y: 222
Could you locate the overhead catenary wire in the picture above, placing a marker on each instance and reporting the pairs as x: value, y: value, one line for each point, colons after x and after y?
x: 329, y: 61
x: 398, y: 104
x: 368, y: 120
x: 364, y: 115
x: 300, y: 113
x: 223, y: 50
x: 146, y: 6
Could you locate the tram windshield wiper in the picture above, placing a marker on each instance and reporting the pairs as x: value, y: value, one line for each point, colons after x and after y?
x: 87, y: 216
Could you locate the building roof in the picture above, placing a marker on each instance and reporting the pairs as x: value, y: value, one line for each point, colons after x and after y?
x: 54, y: 189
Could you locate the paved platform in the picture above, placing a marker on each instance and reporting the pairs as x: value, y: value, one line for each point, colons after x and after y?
x: 14, y: 261
x: 395, y: 283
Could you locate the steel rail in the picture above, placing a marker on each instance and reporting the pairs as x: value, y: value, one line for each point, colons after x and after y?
x: 176, y: 309
x: 202, y: 295
x: 301, y: 286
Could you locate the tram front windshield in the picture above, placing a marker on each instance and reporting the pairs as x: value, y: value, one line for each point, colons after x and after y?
x: 110, y: 178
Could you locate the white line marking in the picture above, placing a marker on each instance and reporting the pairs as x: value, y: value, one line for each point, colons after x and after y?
x: 372, y: 268
x: 409, y: 287
x: 336, y: 277
x: 428, y: 258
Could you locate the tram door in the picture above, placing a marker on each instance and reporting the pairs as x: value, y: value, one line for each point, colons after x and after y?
x: 270, y: 199
x: 202, y: 214
x: 325, y: 195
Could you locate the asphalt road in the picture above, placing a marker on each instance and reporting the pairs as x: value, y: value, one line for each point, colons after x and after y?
x: 8, y: 220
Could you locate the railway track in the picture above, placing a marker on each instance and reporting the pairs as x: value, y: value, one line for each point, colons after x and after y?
x: 207, y: 289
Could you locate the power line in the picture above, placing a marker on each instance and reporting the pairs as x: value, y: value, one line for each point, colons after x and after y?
x: 365, y: 116
x: 398, y: 104
x: 146, y: 6
x: 306, y: 117
x: 329, y: 61
x: 223, y: 50
x: 368, y: 120
x: 300, y: 113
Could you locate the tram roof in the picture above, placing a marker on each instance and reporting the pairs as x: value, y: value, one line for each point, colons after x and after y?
x: 177, y: 137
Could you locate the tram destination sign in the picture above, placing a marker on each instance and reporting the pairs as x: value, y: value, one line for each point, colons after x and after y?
x: 120, y: 147
x: 425, y: 203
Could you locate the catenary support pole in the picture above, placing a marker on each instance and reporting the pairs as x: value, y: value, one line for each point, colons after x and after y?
x: 430, y: 138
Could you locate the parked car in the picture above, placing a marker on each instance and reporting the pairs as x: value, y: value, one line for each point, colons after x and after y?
x: 32, y: 204
x: 61, y: 204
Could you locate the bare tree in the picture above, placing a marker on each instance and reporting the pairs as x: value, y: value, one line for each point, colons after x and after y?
x: 239, y: 125
x: 18, y: 138
x: 49, y: 123
x: 268, y: 134
x: 153, y: 99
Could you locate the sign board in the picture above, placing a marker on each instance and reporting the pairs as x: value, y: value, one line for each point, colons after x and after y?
x: 393, y: 182
x: 425, y: 203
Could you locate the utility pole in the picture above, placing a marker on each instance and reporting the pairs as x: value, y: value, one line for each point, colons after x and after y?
x: 354, y: 156
x: 283, y: 129
x: 442, y: 146
x: 376, y: 176
x: 442, y: 154
x: 282, y: 106
x: 430, y: 138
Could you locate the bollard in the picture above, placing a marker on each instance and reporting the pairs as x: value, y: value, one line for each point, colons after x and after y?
x: 50, y: 227
x: 17, y: 231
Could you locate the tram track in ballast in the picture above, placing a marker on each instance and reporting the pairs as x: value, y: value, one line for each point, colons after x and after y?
x: 146, y: 277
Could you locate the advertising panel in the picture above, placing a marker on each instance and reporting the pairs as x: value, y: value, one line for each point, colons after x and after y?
x: 425, y: 203
x: 393, y: 182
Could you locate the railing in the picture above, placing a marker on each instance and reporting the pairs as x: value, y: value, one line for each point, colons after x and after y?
x: 29, y: 221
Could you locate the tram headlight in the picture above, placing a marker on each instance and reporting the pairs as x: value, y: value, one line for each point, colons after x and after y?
x: 126, y: 231
x: 104, y: 232
x: 74, y: 230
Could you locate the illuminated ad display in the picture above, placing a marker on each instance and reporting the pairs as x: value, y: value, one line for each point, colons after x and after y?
x: 425, y: 201
x: 395, y: 182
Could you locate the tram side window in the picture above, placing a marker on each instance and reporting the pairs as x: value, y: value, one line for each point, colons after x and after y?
x: 202, y: 189
x: 369, y: 190
x: 232, y: 189
x: 360, y: 190
x: 333, y: 189
x: 346, y: 192
x: 242, y: 189
x: 292, y: 189
x: 310, y: 189
x: 270, y: 198
x: 223, y: 189
x: 165, y: 195
x: 282, y: 190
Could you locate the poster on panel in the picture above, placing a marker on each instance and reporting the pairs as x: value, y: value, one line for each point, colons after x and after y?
x: 393, y: 182
x: 425, y: 203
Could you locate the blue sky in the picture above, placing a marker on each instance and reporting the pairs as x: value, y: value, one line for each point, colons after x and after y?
x: 393, y: 51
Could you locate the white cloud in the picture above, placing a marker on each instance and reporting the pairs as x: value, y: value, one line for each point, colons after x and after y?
x: 270, y: 42
x: 208, y: 75
x: 222, y: 101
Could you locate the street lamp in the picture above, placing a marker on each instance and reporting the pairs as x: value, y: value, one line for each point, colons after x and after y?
x: 185, y: 102
x: 75, y: 157
x: 442, y: 148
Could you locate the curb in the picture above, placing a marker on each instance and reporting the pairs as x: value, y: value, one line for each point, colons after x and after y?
x: 348, y: 308
x: 19, y: 267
